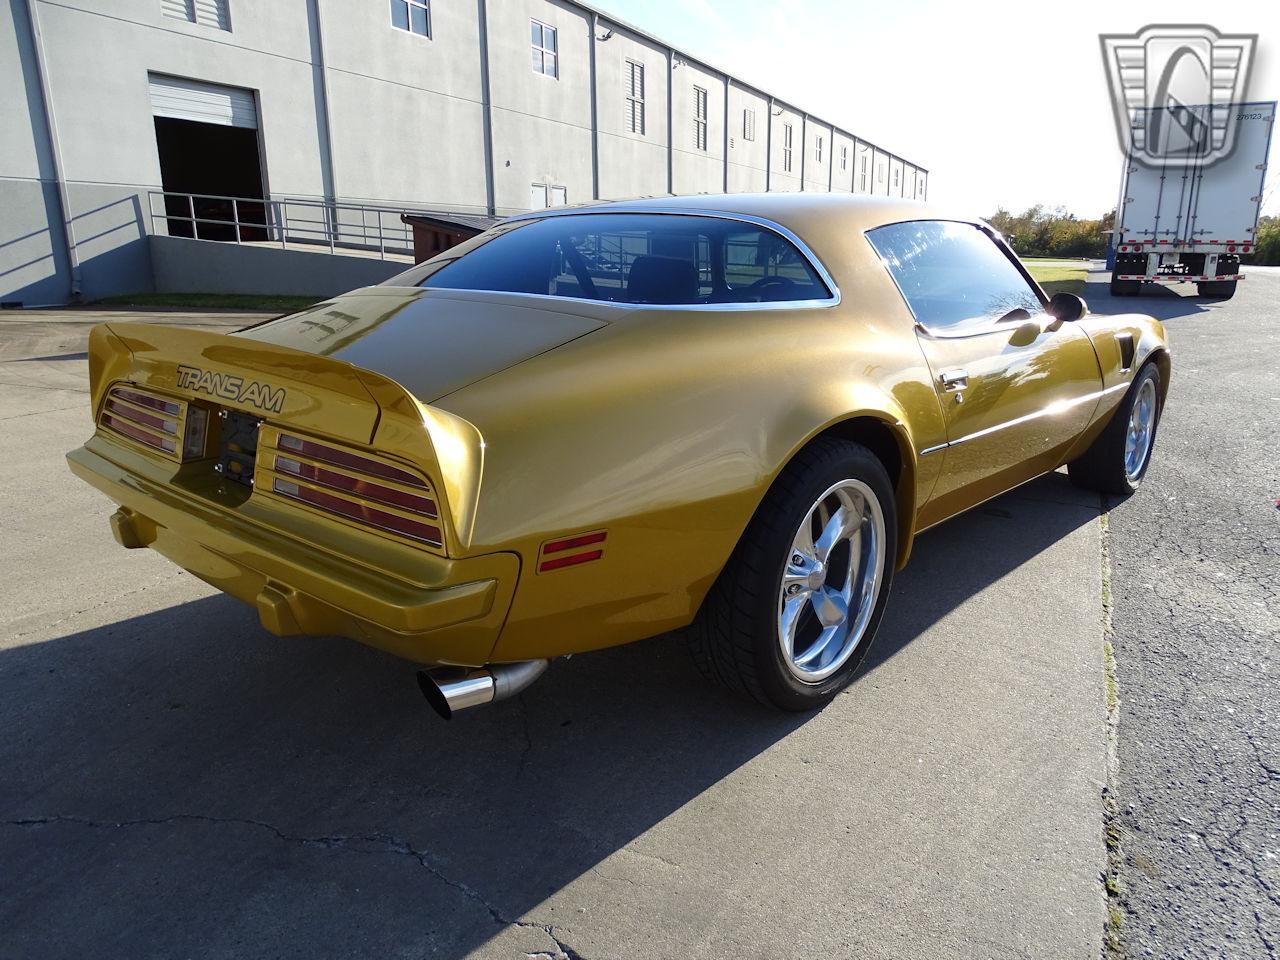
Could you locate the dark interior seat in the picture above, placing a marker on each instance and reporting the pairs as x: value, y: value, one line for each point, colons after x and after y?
x: 662, y: 280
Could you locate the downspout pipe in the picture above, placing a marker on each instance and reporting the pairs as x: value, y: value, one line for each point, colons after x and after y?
x: 595, y: 109
x: 55, y: 149
x: 487, y: 105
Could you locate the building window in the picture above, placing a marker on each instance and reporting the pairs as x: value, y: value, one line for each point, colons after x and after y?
x: 700, y: 118
x: 544, y: 195
x: 210, y: 13
x: 896, y: 173
x: 863, y: 174
x: 748, y: 124
x: 635, y: 97
x: 786, y: 147
x: 545, y: 59
x: 817, y: 149
x: 411, y: 15
x: 844, y: 157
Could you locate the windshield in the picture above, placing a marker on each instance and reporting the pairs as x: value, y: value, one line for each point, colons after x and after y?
x: 637, y: 258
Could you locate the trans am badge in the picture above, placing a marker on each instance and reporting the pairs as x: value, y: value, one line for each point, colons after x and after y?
x: 227, y: 386
x: 1175, y: 89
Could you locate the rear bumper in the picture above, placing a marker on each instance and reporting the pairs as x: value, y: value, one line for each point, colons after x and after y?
x: 439, y: 611
x: 1170, y: 278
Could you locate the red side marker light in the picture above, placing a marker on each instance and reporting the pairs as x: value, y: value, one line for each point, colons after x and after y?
x: 569, y: 552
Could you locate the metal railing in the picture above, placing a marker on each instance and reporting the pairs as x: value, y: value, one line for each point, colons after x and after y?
x: 281, y: 221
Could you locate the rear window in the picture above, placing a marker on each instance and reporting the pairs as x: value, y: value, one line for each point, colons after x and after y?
x: 637, y: 258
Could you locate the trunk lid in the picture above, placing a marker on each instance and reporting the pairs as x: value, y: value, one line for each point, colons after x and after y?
x: 432, y: 342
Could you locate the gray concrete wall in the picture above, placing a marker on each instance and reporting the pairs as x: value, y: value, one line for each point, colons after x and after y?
x: 748, y: 159
x: 696, y: 170
x: 34, y: 268
x: 842, y: 172
x: 896, y: 185
x: 631, y: 164
x: 353, y: 110
x: 541, y: 124
x: 780, y: 178
x: 863, y: 173
x: 406, y: 110
x: 817, y: 168
x: 206, y: 266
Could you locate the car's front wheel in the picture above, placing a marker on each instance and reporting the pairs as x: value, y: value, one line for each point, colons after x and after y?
x: 792, y: 615
x: 1118, y: 459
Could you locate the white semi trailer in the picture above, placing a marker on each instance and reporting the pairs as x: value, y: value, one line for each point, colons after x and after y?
x: 1193, y: 223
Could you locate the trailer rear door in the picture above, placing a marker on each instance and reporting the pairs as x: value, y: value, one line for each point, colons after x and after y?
x: 1217, y: 202
x: 1228, y: 194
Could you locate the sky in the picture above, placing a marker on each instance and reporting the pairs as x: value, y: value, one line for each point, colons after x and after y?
x: 1005, y: 103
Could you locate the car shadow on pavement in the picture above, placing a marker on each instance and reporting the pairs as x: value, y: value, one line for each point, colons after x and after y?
x: 180, y: 783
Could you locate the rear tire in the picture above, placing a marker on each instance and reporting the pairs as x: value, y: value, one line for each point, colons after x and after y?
x: 1118, y: 459
x: 780, y: 587
x: 1217, y: 289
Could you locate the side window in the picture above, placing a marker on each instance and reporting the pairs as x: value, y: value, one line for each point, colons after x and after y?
x: 952, y: 274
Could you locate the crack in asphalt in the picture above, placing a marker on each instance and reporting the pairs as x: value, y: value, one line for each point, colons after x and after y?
x: 375, y: 842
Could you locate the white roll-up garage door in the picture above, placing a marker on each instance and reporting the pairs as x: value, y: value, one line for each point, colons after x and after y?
x: 203, y: 102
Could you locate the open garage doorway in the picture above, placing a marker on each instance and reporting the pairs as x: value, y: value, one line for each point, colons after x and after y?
x: 210, y: 156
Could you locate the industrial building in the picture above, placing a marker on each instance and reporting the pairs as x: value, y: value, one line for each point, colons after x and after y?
x: 317, y: 122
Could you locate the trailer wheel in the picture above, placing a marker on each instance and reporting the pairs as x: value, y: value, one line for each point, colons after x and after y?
x: 1217, y: 289
x: 1125, y: 288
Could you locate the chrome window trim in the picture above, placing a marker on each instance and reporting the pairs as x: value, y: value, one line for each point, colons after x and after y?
x: 1051, y: 409
x: 814, y: 261
x: 986, y: 327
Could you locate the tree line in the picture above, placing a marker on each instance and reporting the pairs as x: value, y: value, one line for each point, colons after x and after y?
x: 1053, y: 232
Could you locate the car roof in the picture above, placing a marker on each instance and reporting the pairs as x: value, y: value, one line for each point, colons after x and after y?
x: 798, y: 212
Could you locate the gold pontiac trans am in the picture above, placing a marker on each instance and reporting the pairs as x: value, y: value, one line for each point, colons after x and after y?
x: 587, y: 426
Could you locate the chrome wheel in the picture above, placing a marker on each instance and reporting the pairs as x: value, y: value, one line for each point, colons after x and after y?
x: 831, y: 581
x: 1142, y: 423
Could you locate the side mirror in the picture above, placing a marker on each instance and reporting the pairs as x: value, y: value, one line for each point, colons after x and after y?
x: 1066, y: 307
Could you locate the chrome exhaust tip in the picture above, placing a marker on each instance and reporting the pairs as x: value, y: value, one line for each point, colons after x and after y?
x: 449, y: 691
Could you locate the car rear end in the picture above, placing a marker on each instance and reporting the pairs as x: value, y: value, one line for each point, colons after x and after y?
x: 312, y: 489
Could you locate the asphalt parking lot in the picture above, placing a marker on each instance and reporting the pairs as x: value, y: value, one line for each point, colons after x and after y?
x: 1195, y: 577
x: 179, y: 783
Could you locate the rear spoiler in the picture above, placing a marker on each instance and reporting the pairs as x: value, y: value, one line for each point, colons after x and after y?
x: 313, y: 394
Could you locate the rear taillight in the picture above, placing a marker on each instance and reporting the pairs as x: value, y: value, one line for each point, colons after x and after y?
x: 173, y: 427
x: 358, y: 487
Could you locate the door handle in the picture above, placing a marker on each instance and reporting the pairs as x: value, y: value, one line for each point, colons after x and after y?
x: 954, y: 379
